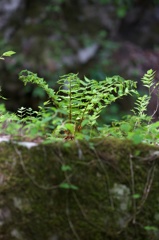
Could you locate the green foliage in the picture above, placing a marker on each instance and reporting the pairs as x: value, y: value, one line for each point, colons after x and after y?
x: 73, y: 111
x: 66, y: 168
x: 142, y: 102
x: 148, y: 79
x: 68, y: 186
x: 6, y: 54
x: 29, y: 77
x: 151, y: 228
x: 23, y: 112
x: 80, y: 102
x: 139, y: 126
x: 8, y: 122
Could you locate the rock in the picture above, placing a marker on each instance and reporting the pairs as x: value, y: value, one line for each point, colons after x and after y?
x: 116, y: 191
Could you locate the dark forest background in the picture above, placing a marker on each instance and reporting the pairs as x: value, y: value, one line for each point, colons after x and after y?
x: 96, y: 38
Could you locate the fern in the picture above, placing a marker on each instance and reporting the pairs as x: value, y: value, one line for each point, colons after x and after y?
x: 89, y: 97
x: 142, y: 102
x: 148, y: 79
x: 21, y: 112
x: 69, y: 95
x: 26, y: 113
x: 81, y: 101
x: 141, y: 106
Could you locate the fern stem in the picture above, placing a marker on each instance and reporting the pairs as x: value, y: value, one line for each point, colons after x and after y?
x: 70, y: 105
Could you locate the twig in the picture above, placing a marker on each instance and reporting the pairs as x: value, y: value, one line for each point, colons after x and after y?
x: 147, y: 188
x: 69, y: 220
x: 133, y: 188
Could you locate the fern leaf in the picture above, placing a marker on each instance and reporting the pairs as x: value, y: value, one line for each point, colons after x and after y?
x: 148, y: 79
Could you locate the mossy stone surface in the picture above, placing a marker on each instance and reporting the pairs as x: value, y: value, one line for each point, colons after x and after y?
x: 113, y: 191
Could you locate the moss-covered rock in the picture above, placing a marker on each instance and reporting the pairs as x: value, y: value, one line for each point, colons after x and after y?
x: 106, y: 189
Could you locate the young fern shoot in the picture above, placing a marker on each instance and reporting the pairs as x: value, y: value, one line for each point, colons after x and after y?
x: 148, y: 81
x: 142, y: 102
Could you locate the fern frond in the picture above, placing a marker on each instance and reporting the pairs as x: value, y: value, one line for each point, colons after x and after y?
x: 148, y: 79
x: 142, y: 102
x: 69, y: 94
x: 29, y: 77
x: 21, y: 112
x: 141, y: 105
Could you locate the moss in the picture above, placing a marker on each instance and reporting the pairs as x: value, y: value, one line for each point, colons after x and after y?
x: 106, y: 175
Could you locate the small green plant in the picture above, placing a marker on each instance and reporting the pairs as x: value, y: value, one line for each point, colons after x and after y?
x: 138, y: 127
x: 80, y: 102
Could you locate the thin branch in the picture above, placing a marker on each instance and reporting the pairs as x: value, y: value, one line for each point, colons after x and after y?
x: 133, y: 187
x: 147, y: 187
x: 69, y: 220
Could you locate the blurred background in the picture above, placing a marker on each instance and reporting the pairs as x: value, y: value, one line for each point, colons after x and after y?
x: 96, y: 38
